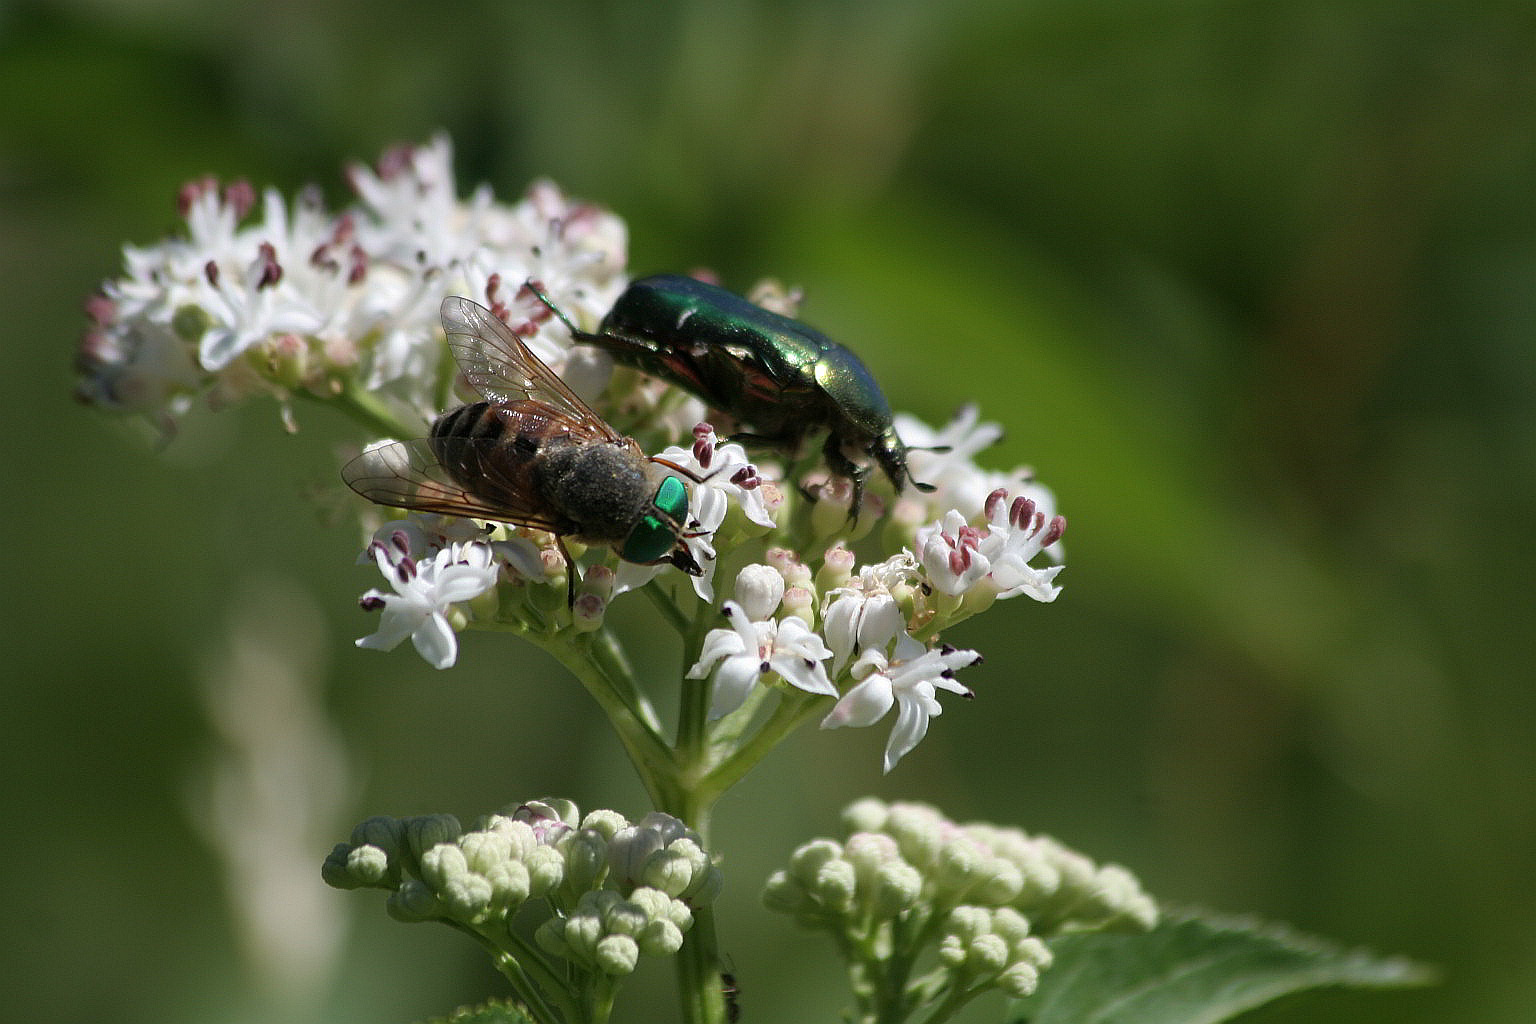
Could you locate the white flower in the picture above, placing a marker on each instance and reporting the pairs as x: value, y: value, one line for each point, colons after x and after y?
x: 958, y: 557
x: 958, y: 482
x: 951, y: 554
x: 424, y: 592
x: 909, y: 679
x: 1017, y: 531
x: 743, y: 654
x: 864, y: 613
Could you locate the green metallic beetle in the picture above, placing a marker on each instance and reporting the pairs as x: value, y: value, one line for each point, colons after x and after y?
x: 532, y: 454
x: 775, y: 375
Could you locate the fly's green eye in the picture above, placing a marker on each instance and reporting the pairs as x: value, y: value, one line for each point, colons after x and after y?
x: 672, y: 498
x: 649, y: 541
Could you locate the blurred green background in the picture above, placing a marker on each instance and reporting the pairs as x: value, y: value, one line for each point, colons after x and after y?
x: 1252, y: 285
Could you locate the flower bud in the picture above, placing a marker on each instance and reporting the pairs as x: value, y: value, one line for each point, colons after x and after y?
x: 586, y: 858
x: 412, y: 902
x: 617, y: 955
x: 835, y: 885
x: 865, y: 815
x: 546, y: 871
x: 800, y: 603
x: 424, y: 832
x: 1018, y: 980
x: 809, y: 858
x: 387, y: 833
x: 836, y: 568
x: 587, y: 613
x: 551, y: 938
x: 605, y: 823
x: 898, y: 887
x: 795, y: 572
x: 759, y: 589
x: 660, y: 938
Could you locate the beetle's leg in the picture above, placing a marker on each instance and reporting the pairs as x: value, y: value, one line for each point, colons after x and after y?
x: 841, y: 465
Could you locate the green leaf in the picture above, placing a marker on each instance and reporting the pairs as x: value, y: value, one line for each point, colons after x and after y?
x: 1196, y: 970
x: 493, y: 1012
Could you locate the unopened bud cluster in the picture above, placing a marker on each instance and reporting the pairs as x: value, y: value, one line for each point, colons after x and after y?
x: 986, y: 896
x: 611, y: 890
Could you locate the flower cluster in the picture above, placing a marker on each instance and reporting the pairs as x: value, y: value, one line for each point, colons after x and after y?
x: 984, y: 896
x: 263, y: 297
x: 610, y: 890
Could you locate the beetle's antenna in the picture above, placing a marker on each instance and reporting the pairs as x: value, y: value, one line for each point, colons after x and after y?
x: 549, y: 304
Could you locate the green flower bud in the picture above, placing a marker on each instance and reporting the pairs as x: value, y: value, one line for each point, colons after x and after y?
x: 190, y: 323
x: 808, y: 859
x: 898, y: 888
x: 1018, y: 980
x: 784, y: 894
x: 335, y: 871
x: 412, y: 902
x: 1033, y: 952
x: 920, y: 831
x: 509, y: 884
x: 388, y: 834
x: 424, y: 832
x: 586, y: 858
x: 660, y: 938
x: 582, y: 932
x: 624, y: 918
x: 485, y: 851
x: 835, y: 885
x: 1011, y: 925
x: 799, y: 602
x: 986, y: 955
x: 617, y: 955
x: 868, y: 852
x: 669, y: 870
x: 551, y: 938
x: 546, y: 871
x: 465, y: 894
x: 836, y: 568
x: 998, y: 882
x: 368, y: 864
x: 605, y: 823
x: 965, y: 923
x: 866, y: 815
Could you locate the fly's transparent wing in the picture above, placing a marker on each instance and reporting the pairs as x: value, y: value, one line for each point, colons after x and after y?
x: 411, y: 475
x: 499, y: 366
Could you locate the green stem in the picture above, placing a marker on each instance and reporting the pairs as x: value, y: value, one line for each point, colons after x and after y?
x: 513, y: 961
x: 793, y: 710
x: 609, y: 658
x: 366, y: 408
x: 654, y: 762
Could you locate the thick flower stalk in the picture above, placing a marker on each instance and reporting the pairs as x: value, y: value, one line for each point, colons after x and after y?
x: 908, y: 882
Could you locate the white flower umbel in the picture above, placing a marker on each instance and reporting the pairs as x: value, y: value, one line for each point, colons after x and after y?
x: 424, y: 593
x: 749, y: 651
x: 910, y: 679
